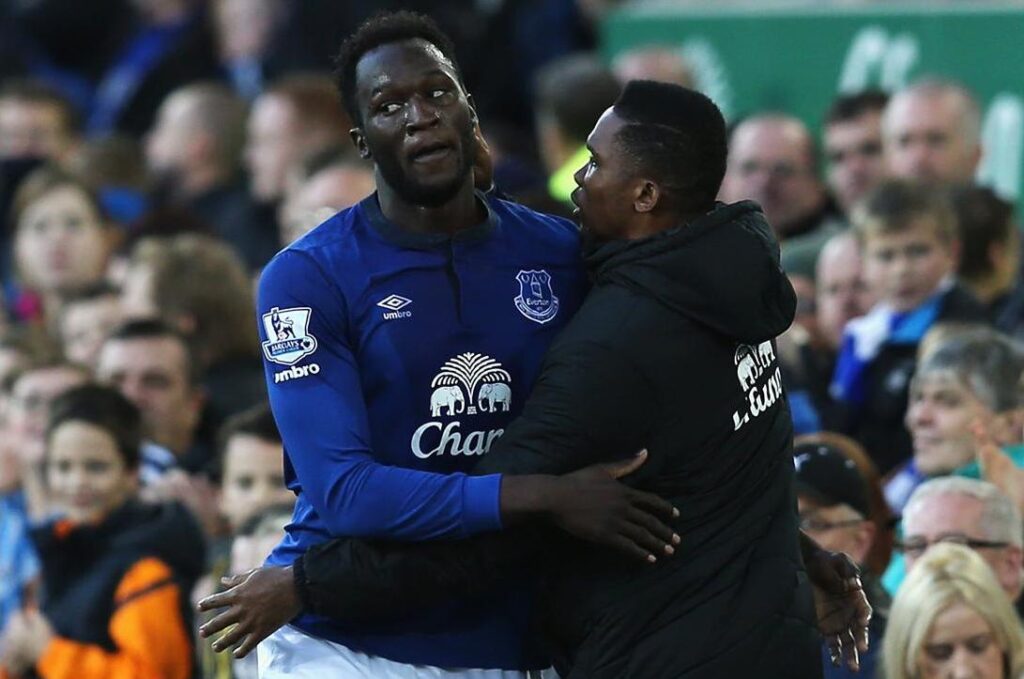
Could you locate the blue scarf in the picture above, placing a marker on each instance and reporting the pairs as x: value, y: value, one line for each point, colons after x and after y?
x: 865, y: 337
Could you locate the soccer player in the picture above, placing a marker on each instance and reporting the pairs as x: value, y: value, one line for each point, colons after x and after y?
x: 400, y: 338
x: 669, y: 350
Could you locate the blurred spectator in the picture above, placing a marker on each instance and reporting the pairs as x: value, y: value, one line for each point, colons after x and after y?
x: 932, y: 132
x: 571, y: 94
x: 253, y: 471
x: 809, y: 353
x: 251, y: 544
x: 853, y: 146
x: 61, y: 242
x: 32, y: 392
x: 909, y: 239
x: 171, y: 45
x: 199, y: 285
x: 116, y: 572
x: 843, y: 295
x: 113, y: 168
x: 152, y: 365
x: 86, y: 321
x: 653, y: 62
x: 882, y: 545
x: 772, y: 160
x: 967, y: 512
x: 245, y: 33
x: 971, y: 379
x: 295, y: 117
x: 341, y: 183
x: 990, y: 261
x: 832, y: 499
x: 36, y: 121
x: 951, y: 620
x: 194, y: 149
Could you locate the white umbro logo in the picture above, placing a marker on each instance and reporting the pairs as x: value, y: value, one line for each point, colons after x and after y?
x: 393, y: 304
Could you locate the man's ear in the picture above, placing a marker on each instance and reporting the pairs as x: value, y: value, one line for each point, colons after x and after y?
x: 472, y: 109
x: 646, y: 196
x: 359, y: 139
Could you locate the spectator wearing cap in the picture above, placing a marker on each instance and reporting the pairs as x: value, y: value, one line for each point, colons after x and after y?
x: 832, y: 499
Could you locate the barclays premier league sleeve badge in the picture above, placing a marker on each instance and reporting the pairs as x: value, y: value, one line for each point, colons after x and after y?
x: 288, y: 338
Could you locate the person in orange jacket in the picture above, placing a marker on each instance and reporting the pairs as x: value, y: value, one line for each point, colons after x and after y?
x: 116, y: 573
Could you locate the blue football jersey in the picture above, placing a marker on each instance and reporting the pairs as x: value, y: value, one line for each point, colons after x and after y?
x: 393, y: 361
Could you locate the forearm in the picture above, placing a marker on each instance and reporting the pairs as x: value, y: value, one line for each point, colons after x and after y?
x: 355, y: 581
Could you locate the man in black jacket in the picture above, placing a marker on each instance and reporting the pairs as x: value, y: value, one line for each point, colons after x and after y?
x: 672, y: 351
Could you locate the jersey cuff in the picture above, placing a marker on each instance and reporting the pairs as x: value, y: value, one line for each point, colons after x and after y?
x: 481, y: 503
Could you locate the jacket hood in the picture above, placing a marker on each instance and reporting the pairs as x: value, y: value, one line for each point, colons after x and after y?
x: 721, y: 270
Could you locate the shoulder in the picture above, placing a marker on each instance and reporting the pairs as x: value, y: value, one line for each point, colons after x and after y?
x: 960, y: 305
x: 536, y: 227
x: 320, y: 257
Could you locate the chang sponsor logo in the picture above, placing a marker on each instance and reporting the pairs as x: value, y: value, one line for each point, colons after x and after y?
x: 467, y: 384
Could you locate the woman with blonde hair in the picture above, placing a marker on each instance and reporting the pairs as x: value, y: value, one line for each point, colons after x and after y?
x: 951, y: 619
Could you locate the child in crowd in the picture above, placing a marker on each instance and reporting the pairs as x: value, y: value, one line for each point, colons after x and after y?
x: 908, y: 236
x: 86, y: 321
x: 252, y: 483
x: 115, y: 572
x: 253, y: 466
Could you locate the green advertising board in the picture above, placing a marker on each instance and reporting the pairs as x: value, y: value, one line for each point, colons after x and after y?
x: 752, y: 57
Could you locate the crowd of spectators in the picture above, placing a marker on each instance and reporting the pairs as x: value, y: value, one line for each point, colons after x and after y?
x: 155, y: 154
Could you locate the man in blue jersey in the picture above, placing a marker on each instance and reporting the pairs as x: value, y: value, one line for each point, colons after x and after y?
x: 401, y: 337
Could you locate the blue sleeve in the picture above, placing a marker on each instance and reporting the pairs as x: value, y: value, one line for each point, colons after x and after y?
x: 315, y: 393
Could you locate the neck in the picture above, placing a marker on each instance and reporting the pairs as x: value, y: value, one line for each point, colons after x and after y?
x: 651, y: 224
x: 201, y: 179
x: 989, y: 288
x: 458, y: 214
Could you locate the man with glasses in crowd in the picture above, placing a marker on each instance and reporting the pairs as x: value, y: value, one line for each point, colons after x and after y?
x: 832, y: 500
x: 967, y: 512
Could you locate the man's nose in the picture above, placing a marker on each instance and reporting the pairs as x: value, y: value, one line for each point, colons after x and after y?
x: 420, y: 114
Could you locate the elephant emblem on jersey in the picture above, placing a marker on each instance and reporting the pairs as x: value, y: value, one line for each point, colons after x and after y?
x: 746, y: 367
x: 767, y: 355
x: 449, y: 397
x: 493, y: 395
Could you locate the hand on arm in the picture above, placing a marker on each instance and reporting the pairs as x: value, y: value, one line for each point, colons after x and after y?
x: 591, y: 504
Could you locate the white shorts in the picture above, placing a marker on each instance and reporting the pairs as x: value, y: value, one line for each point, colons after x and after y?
x: 290, y: 652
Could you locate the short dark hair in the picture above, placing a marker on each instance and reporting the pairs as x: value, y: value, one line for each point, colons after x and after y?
x: 893, y: 206
x: 678, y: 136
x: 984, y: 219
x: 257, y: 421
x: 103, y: 407
x: 847, y: 107
x: 383, y: 29
x: 155, y: 328
x: 574, y: 91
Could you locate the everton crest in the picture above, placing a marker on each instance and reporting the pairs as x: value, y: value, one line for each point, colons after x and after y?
x: 536, y: 299
x: 288, y: 338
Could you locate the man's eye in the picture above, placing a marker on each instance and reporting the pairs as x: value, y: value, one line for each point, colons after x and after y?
x: 436, y: 94
x: 389, y: 108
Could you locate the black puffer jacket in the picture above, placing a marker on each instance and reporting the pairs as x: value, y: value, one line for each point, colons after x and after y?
x: 672, y: 351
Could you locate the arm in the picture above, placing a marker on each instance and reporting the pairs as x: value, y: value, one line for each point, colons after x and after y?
x: 147, y: 627
x: 324, y: 425
x: 356, y: 580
